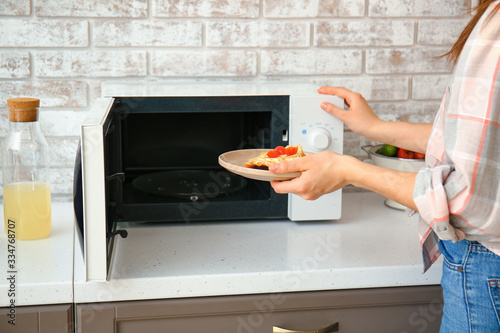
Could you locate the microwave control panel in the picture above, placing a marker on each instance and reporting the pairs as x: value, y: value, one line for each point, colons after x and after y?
x: 316, y: 130
x: 312, y: 127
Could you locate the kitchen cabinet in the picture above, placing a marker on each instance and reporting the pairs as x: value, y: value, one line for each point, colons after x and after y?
x: 38, y: 319
x: 396, y: 309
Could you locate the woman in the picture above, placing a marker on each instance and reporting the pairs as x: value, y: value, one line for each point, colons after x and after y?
x: 458, y: 194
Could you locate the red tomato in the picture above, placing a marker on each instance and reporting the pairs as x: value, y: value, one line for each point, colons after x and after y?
x: 272, y: 154
x: 280, y: 150
x: 402, y: 153
x: 418, y: 155
x: 291, y: 150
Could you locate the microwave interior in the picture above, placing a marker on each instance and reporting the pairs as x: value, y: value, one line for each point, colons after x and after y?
x: 161, y: 158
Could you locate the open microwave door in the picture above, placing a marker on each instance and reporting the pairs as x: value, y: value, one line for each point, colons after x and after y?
x: 95, y: 235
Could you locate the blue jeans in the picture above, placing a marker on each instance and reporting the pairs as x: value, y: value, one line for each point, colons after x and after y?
x: 471, y: 288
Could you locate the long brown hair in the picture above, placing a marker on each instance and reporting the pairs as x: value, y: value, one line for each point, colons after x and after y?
x: 479, y: 10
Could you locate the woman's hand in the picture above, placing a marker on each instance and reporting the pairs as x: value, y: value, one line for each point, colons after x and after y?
x: 360, y: 118
x: 327, y: 171
x: 322, y: 173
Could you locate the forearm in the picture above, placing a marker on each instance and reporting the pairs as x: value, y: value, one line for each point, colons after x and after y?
x: 411, y: 136
x: 361, y: 119
x: 392, y: 184
x: 326, y: 172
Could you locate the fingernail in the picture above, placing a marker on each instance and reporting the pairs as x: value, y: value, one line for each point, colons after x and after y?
x: 323, y: 106
x: 273, y: 168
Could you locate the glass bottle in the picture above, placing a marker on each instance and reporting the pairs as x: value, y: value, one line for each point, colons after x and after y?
x: 26, y: 173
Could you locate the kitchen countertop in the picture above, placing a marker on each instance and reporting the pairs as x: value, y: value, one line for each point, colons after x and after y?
x: 370, y: 246
x: 43, y: 268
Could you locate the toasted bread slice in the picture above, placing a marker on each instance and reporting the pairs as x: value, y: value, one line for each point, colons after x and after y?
x: 263, y: 161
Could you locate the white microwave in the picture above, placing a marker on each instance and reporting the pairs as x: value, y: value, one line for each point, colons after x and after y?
x: 146, y: 147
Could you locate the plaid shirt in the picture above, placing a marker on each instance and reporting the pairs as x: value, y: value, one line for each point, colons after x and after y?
x: 458, y: 192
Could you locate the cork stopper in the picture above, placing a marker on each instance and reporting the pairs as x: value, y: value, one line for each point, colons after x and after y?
x: 23, y: 109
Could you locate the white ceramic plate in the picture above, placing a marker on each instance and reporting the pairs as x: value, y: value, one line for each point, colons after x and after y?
x: 234, y: 161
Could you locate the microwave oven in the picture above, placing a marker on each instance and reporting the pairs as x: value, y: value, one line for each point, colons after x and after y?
x: 149, y: 153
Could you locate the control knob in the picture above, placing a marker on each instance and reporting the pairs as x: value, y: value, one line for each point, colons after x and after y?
x: 319, y: 139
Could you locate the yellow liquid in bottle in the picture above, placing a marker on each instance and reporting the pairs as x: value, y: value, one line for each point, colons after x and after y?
x: 27, y: 206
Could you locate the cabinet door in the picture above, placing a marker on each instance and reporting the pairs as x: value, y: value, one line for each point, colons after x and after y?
x: 364, y: 310
x: 37, y: 319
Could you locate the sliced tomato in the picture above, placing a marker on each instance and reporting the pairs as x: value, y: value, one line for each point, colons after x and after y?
x: 272, y: 154
x: 291, y: 150
x: 280, y: 150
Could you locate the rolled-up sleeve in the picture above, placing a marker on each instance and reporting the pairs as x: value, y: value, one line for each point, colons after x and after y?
x: 434, y: 188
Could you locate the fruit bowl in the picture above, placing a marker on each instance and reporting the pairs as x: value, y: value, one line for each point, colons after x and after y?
x: 395, y: 163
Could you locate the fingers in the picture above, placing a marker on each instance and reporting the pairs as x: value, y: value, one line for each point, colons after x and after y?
x: 284, y: 186
x: 297, y: 165
x: 296, y: 186
x: 284, y: 167
x: 332, y: 109
x: 316, y: 175
x: 338, y: 91
x: 349, y: 96
x: 279, y: 168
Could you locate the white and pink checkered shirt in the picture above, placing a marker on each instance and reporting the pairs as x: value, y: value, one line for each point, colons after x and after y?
x: 458, y: 193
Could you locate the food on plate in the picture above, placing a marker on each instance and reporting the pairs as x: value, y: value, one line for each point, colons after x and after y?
x: 277, y: 155
x: 392, y: 151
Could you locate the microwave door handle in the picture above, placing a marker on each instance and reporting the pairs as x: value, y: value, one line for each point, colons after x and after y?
x: 119, y: 175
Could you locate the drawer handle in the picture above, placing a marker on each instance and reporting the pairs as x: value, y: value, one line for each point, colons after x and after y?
x: 328, y: 329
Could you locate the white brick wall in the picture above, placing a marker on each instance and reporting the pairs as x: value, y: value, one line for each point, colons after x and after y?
x: 15, y: 7
x: 258, y: 34
x: 91, y: 8
x: 43, y: 33
x: 313, y: 8
x: 311, y: 62
x: 202, y: 63
x: 205, y: 8
x: 14, y: 64
x: 424, y: 8
x: 406, y: 60
x: 61, y: 52
x: 367, y: 33
x: 126, y: 33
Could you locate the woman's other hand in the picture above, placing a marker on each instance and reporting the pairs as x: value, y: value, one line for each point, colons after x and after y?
x: 360, y: 118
